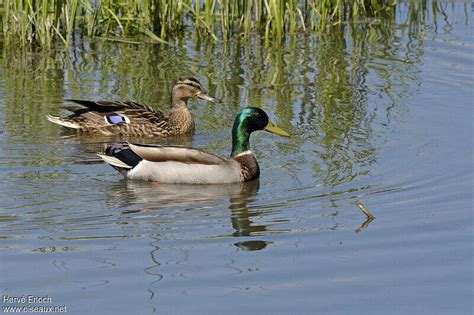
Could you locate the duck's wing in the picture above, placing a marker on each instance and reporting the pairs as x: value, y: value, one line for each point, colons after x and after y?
x: 97, y: 106
x: 102, y: 114
x: 178, y: 154
x: 135, y: 112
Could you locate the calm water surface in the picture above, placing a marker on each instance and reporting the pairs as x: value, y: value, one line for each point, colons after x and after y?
x: 378, y: 112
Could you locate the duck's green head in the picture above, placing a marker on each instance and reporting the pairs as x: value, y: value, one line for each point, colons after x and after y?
x: 251, y: 119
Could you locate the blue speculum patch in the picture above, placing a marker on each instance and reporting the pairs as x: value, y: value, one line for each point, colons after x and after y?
x: 115, y: 119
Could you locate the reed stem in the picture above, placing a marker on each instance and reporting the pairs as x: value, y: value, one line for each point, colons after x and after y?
x: 45, y: 22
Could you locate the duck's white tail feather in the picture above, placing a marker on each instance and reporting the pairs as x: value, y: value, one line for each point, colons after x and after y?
x: 62, y: 122
x: 114, y: 161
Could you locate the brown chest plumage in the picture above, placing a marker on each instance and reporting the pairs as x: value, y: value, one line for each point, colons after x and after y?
x: 181, y: 120
x: 249, y: 166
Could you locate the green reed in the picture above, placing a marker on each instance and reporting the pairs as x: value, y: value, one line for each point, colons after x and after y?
x: 45, y: 22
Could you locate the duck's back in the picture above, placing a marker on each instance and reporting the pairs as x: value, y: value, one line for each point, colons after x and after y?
x: 115, y: 118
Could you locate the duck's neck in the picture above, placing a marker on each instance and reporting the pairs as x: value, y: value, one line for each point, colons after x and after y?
x: 180, y: 116
x: 241, y: 151
x: 240, y: 140
x: 242, y: 154
x: 178, y: 102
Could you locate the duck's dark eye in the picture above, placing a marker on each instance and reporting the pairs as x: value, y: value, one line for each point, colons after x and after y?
x: 115, y: 119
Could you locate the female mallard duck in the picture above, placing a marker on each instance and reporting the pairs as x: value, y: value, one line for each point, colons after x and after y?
x: 171, y: 164
x: 129, y: 118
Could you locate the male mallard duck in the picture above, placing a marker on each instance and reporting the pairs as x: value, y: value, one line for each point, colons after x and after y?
x: 171, y: 164
x: 129, y: 118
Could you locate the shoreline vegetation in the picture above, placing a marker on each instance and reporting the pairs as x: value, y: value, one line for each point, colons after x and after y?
x: 45, y: 23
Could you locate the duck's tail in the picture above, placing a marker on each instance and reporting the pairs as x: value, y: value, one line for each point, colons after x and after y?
x: 115, y: 162
x: 120, y: 157
x: 65, y: 122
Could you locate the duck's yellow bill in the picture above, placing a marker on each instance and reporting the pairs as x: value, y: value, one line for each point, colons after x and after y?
x: 276, y: 130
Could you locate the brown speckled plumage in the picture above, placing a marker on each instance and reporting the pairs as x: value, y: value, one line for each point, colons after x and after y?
x: 135, y: 119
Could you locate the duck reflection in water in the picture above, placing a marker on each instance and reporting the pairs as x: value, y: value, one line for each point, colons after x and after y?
x: 241, y: 218
x: 177, y: 197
